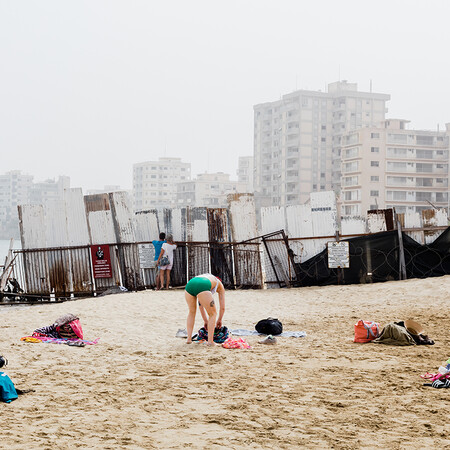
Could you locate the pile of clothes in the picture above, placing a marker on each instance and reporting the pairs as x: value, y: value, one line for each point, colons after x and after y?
x: 65, y: 330
x: 406, y: 332
x: 441, y: 379
x: 64, y: 327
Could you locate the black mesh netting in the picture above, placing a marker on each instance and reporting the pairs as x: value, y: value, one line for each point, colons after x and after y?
x: 376, y: 258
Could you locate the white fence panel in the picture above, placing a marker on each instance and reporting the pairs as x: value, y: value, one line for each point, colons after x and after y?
x: 272, y: 219
x: 299, y: 221
x: 324, y: 213
x: 77, y: 226
x: 243, y: 216
x: 353, y: 225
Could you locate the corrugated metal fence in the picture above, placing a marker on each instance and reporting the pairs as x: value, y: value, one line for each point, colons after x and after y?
x: 56, y: 258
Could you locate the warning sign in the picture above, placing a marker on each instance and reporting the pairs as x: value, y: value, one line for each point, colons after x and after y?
x: 147, y: 256
x: 338, y: 255
x: 101, y: 261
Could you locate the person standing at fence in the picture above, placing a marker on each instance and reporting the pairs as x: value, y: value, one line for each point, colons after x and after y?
x: 165, y: 261
x: 201, y: 289
x: 158, y: 246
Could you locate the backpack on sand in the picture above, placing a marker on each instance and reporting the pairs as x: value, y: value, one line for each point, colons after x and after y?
x: 269, y: 326
x: 366, y: 331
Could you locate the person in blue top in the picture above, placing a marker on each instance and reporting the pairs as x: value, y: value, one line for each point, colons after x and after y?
x: 158, y: 246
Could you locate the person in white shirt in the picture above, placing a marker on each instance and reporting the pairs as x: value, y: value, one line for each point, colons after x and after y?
x: 167, y: 251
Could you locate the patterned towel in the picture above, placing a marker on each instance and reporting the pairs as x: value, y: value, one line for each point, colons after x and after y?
x: 51, y: 340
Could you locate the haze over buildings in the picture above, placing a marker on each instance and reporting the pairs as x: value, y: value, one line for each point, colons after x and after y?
x: 89, y: 88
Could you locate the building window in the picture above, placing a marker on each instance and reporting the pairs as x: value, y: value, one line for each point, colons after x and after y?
x: 375, y: 149
x: 374, y: 178
x: 375, y: 163
x: 375, y: 135
x: 374, y: 193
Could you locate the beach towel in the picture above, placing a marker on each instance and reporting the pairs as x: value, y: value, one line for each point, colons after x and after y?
x: 52, y: 340
x: 7, y: 389
x: 243, y: 332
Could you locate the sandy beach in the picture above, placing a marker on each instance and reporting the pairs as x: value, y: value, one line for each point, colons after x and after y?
x: 141, y: 387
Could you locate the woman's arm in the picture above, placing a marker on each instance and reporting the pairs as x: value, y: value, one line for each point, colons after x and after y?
x: 221, y: 292
x: 161, y: 253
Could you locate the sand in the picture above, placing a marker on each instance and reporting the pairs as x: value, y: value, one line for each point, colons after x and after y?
x: 141, y: 387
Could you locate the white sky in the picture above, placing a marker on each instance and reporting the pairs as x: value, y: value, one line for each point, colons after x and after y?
x: 89, y: 87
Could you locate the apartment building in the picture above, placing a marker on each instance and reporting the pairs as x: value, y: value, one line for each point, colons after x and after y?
x: 107, y: 188
x: 16, y: 189
x: 298, y: 140
x: 155, y: 182
x: 48, y: 190
x: 245, y: 172
x: 390, y: 166
x: 208, y: 189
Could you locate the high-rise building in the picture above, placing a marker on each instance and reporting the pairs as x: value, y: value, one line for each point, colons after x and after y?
x: 245, y: 172
x: 208, y: 189
x: 14, y: 190
x: 48, y: 190
x: 18, y: 189
x: 297, y: 140
x: 390, y: 166
x: 154, y: 182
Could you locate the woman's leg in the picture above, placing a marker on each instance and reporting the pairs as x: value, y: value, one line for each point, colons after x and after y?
x: 192, y: 305
x: 167, y: 278
x: 161, y: 278
x: 207, y: 301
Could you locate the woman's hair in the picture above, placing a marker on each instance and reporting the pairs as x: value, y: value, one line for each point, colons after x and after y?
x: 169, y: 238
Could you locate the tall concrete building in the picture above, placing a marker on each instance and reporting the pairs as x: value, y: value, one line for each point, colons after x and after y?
x: 208, y: 189
x: 14, y: 190
x: 154, y: 182
x: 390, y: 166
x: 17, y: 188
x: 48, y: 190
x: 298, y: 140
x: 245, y: 172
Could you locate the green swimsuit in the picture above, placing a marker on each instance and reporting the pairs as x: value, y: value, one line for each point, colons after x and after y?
x: 198, y: 284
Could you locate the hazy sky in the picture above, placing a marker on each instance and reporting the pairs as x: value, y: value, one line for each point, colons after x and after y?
x: 89, y: 87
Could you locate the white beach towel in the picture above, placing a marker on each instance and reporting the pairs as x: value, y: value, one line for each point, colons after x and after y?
x: 242, y: 332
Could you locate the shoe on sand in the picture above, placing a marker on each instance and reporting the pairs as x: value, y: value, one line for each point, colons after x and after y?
x: 181, y: 333
x: 268, y: 340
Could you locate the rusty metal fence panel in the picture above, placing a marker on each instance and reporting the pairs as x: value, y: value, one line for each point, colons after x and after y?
x: 277, y: 260
x: 197, y: 234
x: 220, y: 253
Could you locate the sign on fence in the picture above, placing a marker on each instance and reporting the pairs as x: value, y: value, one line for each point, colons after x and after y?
x: 101, y: 261
x: 338, y: 255
x: 146, y: 256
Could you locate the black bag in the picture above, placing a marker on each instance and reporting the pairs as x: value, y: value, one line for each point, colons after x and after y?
x: 269, y: 326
